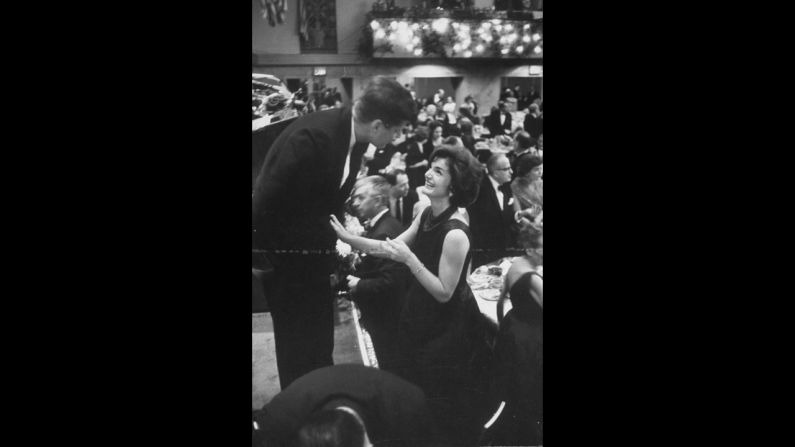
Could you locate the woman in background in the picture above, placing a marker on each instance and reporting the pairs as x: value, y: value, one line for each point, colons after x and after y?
x: 518, y: 376
x: 528, y: 187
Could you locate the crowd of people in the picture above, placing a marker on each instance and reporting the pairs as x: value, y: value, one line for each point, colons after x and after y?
x: 443, y: 192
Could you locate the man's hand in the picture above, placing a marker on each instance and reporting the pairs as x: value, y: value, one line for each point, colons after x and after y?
x: 352, y: 282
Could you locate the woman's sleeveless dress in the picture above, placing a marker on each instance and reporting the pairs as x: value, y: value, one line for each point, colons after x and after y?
x: 518, y: 377
x: 441, y: 342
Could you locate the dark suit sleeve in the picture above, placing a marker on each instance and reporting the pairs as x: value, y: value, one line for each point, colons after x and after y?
x: 380, y: 277
x: 286, y: 165
x: 389, y: 275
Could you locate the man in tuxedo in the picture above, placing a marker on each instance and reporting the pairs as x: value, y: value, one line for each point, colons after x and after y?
x: 499, y: 122
x: 379, y: 285
x: 533, y: 122
x: 388, y: 409
x: 491, y: 215
x: 307, y: 175
x: 401, y: 197
x: 522, y: 146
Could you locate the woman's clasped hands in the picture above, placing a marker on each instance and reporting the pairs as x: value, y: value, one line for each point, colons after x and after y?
x: 397, y: 250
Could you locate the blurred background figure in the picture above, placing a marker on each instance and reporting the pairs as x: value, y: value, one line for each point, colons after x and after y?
x: 518, y: 378
x: 528, y: 187
x: 383, y: 408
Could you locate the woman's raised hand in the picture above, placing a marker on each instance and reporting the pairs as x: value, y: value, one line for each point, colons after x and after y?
x: 342, y: 233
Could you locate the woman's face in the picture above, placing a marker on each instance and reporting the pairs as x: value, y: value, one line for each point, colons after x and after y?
x: 437, y: 133
x: 437, y: 179
x: 536, y: 173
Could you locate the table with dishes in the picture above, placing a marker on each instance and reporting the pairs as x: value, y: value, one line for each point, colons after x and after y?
x: 486, y: 283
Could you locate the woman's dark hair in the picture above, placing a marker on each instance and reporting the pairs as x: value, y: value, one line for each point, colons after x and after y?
x: 331, y: 428
x: 466, y: 173
x: 387, y: 100
x: 526, y: 164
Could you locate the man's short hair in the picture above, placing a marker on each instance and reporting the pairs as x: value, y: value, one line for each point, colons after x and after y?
x: 527, y: 163
x: 453, y: 140
x: 421, y: 133
x: 379, y: 184
x: 387, y: 100
x: 492, y: 161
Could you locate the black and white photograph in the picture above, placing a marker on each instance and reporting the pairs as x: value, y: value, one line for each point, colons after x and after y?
x: 397, y: 222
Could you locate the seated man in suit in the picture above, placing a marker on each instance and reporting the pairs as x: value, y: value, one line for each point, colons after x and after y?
x: 499, y: 122
x: 345, y: 401
x: 380, y: 284
x: 522, y: 145
x: 401, y: 197
x: 534, y: 122
x: 491, y: 215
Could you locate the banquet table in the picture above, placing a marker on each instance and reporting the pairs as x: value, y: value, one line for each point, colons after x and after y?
x: 486, y: 284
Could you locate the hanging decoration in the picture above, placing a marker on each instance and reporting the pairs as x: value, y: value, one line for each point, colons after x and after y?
x: 273, y: 10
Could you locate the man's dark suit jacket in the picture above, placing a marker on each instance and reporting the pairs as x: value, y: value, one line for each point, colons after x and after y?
x: 533, y: 125
x: 394, y: 411
x: 380, y: 293
x: 381, y: 159
x: 408, y: 208
x: 295, y: 192
x: 490, y: 227
x: 299, y: 187
x: 493, y: 124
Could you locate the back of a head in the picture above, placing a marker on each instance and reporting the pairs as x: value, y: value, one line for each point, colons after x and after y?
x: 421, y: 133
x: 526, y: 164
x: 387, y: 100
x: 524, y: 140
x: 454, y: 141
x: 466, y: 126
x: 331, y: 428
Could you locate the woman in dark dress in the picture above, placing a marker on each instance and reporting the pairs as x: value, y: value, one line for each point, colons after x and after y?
x: 441, y: 330
x: 518, y: 352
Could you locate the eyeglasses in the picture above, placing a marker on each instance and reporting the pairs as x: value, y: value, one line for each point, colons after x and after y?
x: 503, y: 169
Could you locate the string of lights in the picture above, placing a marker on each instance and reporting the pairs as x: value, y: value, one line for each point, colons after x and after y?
x: 446, y: 37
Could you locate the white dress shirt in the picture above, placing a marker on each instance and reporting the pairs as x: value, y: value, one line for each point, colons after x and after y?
x: 500, y: 195
x: 347, y: 168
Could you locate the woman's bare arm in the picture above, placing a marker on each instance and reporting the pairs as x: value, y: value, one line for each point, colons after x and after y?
x: 451, y: 263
